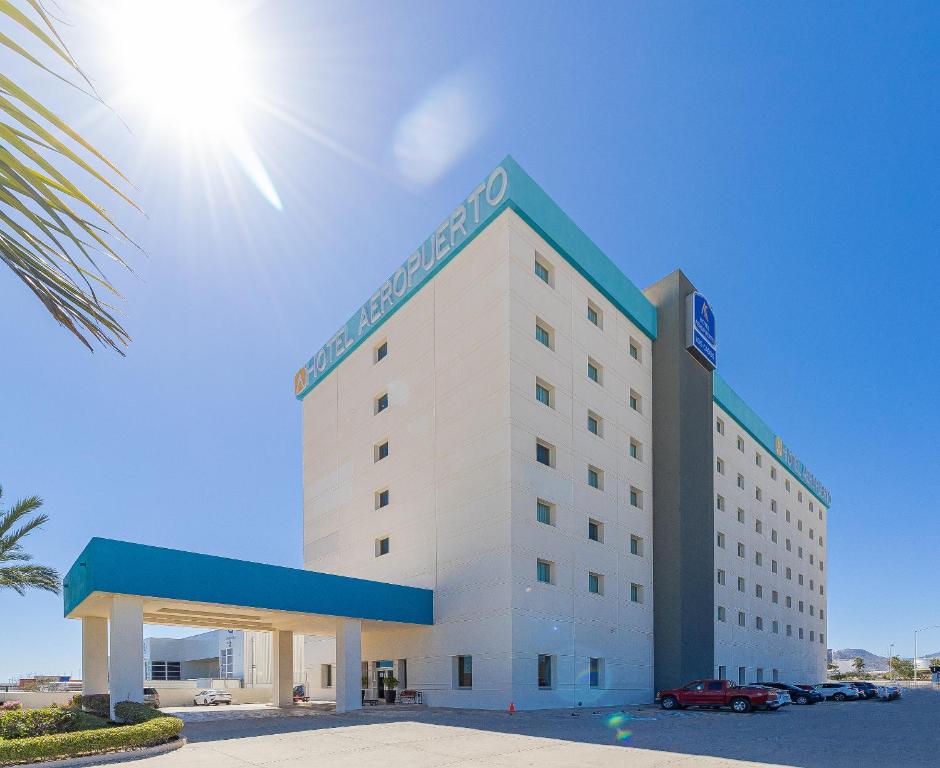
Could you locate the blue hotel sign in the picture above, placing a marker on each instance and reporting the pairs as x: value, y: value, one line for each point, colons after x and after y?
x: 700, y: 330
x: 463, y: 223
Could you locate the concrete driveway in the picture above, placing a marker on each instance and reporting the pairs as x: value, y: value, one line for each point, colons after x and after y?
x: 850, y: 735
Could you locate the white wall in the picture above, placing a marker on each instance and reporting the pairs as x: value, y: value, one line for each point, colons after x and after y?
x: 797, y: 660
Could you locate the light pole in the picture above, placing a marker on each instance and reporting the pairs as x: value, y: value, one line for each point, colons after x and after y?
x: 922, y: 629
x: 890, y: 667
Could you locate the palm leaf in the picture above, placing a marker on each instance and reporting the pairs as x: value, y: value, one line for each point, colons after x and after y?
x: 53, y: 232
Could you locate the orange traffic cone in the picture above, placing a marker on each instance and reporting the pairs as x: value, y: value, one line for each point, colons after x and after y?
x: 512, y: 707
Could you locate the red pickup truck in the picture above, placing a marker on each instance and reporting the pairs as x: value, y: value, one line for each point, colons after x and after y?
x: 719, y: 693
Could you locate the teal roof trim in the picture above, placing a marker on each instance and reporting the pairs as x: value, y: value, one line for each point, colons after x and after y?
x: 125, y: 568
x: 757, y: 428
x: 522, y: 195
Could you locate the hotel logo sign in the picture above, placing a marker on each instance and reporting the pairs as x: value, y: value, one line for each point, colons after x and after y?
x: 700, y: 337
x: 801, y: 471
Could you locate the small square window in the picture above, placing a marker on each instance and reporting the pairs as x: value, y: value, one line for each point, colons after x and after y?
x: 544, y: 571
x: 594, y: 423
x: 543, y: 334
x: 595, y: 478
x: 595, y: 530
x: 636, y: 402
x: 381, y: 402
x: 543, y: 270
x: 545, y: 512
x: 595, y: 315
x: 381, y: 546
x: 544, y: 453
x: 636, y: 498
x: 721, y: 613
x: 595, y: 584
x: 544, y: 393
x: 594, y: 371
x: 381, y: 450
x: 381, y: 498
x: 636, y: 546
x: 635, y: 349
x: 636, y: 449
x: 636, y: 593
x: 381, y: 351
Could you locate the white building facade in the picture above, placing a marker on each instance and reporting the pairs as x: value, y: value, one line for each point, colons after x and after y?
x: 484, y: 427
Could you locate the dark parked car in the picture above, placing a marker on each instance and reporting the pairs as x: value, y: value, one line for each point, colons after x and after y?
x: 152, y: 698
x: 798, y: 695
x: 865, y: 688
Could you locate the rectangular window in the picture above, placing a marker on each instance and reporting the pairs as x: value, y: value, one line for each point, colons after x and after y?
x: 758, y: 623
x: 381, y: 451
x: 742, y: 619
x: 775, y: 628
x: 719, y: 426
x: 800, y: 633
x: 595, y: 530
x: 720, y: 466
x: 544, y: 453
x: 773, y: 505
x: 596, y: 672
x: 381, y: 546
x: 721, y: 540
x: 758, y: 494
x: 773, y: 535
x: 636, y: 546
x: 758, y: 558
x: 773, y: 473
x: 544, y: 512
x: 721, y: 613
x: 595, y: 584
x: 594, y: 423
x: 740, y: 549
x: 635, y: 350
x: 464, y: 668
x: 740, y: 515
x: 546, y: 662
x: 758, y: 591
x: 595, y: 315
x: 742, y: 675
x: 789, y: 574
x: 594, y: 371
x: 740, y: 481
x: 543, y: 571
x: 542, y: 271
x: 775, y: 596
x: 757, y: 459
x: 381, y: 351
x: 381, y: 402
x: 326, y: 675
x: 789, y: 630
x: 740, y: 583
x: 635, y: 402
x: 741, y: 444
x: 595, y: 478
x: 773, y: 566
x: 636, y: 498
x: 382, y: 498
x: 543, y: 393
x: 636, y: 593
x: 721, y: 503
x: 636, y: 449
x: 721, y: 576
x: 543, y: 334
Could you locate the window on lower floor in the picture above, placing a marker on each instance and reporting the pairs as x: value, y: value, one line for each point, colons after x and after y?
x: 594, y: 371
x: 636, y: 402
x: 722, y: 672
x: 545, y: 512
x: 596, y: 672
x: 594, y: 423
x: 463, y: 669
x: 544, y: 453
x: 636, y: 498
x: 636, y: 593
x: 721, y: 576
x: 546, y: 671
x: 595, y: 583
x: 595, y: 478
x: 758, y: 622
x: 740, y: 583
x: 636, y: 449
x: 775, y: 627
x: 164, y: 670
x: 742, y: 675
x: 742, y: 619
x: 543, y: 334
x: 721, y: 613
x: 326, y: 675
x: 543, y: 393
x: 775, y: 675
x: 543, y: 571
x: 595, y: 530
x: 636, y: 545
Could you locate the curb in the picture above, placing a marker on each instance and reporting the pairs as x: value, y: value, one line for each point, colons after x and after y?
x: 109, y: 757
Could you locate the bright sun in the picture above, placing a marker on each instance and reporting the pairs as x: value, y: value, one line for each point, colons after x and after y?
x: 191, y: 66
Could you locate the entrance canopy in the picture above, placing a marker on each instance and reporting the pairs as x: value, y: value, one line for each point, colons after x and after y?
x: 195, y: 590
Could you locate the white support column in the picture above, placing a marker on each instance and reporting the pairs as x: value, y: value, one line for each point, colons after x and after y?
x: 348, y: 665
x: 126, y: 661
x: 94, y: 655
x: 282, y: 668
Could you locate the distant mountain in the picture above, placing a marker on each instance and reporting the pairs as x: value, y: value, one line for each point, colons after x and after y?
x: 872, y: 660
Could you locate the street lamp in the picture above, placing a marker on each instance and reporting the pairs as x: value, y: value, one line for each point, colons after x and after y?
x: 922, y: 629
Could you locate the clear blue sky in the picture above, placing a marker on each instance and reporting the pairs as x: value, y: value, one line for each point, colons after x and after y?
x: 784, y: 155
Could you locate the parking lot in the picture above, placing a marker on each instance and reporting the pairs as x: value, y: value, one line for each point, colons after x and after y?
x: 856, y: 734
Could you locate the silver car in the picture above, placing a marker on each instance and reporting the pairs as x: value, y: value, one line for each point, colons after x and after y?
x: 212, y: 696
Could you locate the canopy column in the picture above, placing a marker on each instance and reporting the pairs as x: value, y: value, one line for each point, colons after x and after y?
x: 126, y: 661
x: 94, y: 655
x: 282, y: 668
x: 348, y: 664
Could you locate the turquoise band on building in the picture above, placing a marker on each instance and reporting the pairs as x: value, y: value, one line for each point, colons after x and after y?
x: 508, y: 186
x: 757, y: 428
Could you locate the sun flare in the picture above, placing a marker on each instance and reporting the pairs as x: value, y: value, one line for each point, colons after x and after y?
x: 191, y: 66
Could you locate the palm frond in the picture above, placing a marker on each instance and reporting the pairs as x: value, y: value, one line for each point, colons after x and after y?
x: 19, y: 578
x: 55, y: 236
x: 15, y: 525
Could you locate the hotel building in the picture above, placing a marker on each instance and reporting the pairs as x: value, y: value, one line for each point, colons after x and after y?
x: 510, y: 422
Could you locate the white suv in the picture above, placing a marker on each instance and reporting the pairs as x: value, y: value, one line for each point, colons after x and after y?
x: 837, y: 691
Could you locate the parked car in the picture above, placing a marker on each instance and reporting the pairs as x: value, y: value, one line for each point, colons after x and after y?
x: 838, y: 691
x: 719, y: 693
x: 865, y: 688
x: 152, y: 698
x: 783, y: 697
x: 212, y: 696
x: 888, y: 692
x: 798, y: 694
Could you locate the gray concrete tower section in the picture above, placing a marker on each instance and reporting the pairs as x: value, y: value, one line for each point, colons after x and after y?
x: 683, y: 496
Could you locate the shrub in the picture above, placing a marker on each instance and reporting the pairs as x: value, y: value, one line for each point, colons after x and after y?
x: 160, y: 729
x: 19, y: 724
x: 9, y: 706
x: 133, y: 712
x: 96, y: 703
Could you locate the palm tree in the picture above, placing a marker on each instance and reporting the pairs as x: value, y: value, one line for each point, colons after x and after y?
x: 21, y: 574
x: 51, y: 232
